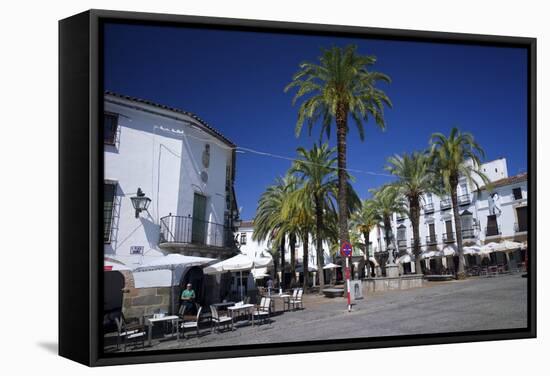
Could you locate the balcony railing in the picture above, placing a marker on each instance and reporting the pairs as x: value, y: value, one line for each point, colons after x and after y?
x: 401, y: 217
x: 189, y: 230
x: 445, y: 204
x: 431, y: 239
x: 464, y: 199
x: 468, y: 233
x: 428, y: 208
x: 419, y: 242
x: 401, y: 244
x: 520, y: 227
x: 449, y: 237
x: 492, y: 230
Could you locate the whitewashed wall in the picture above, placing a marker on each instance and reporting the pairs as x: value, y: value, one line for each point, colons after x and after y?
x: 163, y: 156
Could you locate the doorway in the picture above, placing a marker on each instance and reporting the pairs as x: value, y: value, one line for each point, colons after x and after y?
x: 198, y: 232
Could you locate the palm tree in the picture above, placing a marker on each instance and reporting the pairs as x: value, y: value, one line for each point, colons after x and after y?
x: 364, y: 220
x: 340, y: 86
x: 386, y: 201
x: 299, y: 213
x: 269, y: 223
x: 316, y: 167
x: 415, y: 179
x: 455, y: 157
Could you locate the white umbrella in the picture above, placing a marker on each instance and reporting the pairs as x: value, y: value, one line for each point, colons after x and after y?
x: 331, y: 266
x: 404, y: 259
x: 448, y: 250
x: 260, y: 273
x: 488, y: 248
x: 430, y: 254
x: 171, y: 262
x: 238, y: 263
x: 473, y: 250
x: 508, y: 245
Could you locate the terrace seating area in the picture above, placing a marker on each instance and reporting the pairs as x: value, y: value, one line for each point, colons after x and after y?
x: 214, y: 319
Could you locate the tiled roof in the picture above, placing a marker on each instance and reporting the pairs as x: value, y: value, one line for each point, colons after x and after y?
x: 203, y: 123
x: 507, y: 181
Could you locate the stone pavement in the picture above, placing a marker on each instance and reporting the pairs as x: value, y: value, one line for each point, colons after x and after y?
x: 472, y: 304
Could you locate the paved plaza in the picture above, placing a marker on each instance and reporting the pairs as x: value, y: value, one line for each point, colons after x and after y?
x: 472, y: 304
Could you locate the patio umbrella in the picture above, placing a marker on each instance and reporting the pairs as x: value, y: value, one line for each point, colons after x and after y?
x: 523, y: 245
x: 404, y: 259
x: 238, y: 263
x: 488, y: 248
x: 448, y: 250
x: 331, y: 266
x: 473, y: 250
x: 508, y: 245
x: 171, y: 262
x: 430, y: 254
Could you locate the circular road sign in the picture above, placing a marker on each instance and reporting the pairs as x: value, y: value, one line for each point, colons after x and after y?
x: 346, y: 249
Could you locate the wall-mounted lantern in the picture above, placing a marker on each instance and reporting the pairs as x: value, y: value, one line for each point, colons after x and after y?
x: 140, y: 202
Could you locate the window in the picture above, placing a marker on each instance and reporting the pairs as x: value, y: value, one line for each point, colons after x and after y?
x: 110, y: 127
x: 243, y: 238
x: 109, y: 190
x: 517, y: 193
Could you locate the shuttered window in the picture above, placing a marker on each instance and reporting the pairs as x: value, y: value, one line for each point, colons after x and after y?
x: 109, y: 190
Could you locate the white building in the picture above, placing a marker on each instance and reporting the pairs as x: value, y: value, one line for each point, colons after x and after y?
x: 185, y: 167
x: 485, y: 217
x: 255, y: 248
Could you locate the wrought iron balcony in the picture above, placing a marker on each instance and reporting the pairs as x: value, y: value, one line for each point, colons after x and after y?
x: 449, y: 237
x: 445, y: 204
x: 428, y: 208
x: 189, y: 230
x: 464, y: 199
x: 431, y: 239
x: 468, y: 233
x: 492, y: 231
x: 419, y: 242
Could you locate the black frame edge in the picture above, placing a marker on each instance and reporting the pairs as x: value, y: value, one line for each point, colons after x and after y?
x: 74, y: 219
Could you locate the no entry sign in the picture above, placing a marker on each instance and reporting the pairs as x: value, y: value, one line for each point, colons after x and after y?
x: 346, y: 249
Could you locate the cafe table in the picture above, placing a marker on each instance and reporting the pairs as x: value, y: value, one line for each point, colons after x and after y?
x: 284, y: 298
x: 241, y: 309
x: 152, y: 320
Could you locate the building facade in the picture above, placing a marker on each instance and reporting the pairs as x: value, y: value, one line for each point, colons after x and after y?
x: 487, y: 215
x: 185, y: 169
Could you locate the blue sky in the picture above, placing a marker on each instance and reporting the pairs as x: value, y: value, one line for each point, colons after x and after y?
x: 235, y: 80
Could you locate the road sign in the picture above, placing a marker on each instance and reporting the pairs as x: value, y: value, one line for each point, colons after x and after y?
x: 346, y: 249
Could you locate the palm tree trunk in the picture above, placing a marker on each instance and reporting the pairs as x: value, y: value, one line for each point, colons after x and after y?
x: 282, y: 251
x: 341, y: 130
x: 366, y: 236
x: 292, y: 260
x: 415, y: 220
x: 305, y: 261
x: 319, y: 247
x: 458, y: 227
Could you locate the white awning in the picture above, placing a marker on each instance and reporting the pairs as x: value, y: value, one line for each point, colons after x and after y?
x: 238, y: 263
x: 172, y: 261
x: 473, y: 250
x: 110, y: 265
x: 508, y: 245
x: 404, y: 259
x: 449, y: 250
x: 430, y: 254
x: 331, y: 266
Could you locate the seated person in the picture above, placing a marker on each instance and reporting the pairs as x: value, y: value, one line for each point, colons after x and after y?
x: 188, y: 299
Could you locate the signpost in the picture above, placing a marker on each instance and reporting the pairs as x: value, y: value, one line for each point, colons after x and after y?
x: 345, y: 251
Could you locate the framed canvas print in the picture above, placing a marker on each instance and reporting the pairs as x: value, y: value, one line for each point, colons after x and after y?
x: 239, y: 187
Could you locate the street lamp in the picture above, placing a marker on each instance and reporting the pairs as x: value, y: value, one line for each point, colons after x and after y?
x: 140, y: 202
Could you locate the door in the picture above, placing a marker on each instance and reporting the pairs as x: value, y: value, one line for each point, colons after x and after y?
x: 522, y: 218
x: 432, y: 232
x: 492, y: 227
x: 449, y: 229
x: 198, y: 234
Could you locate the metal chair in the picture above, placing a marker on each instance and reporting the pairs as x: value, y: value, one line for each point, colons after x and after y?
x: 263, y: 310
x: 218, y: 320
x: 191, y: 324
x: 297, y: 302
x: 129, y: 332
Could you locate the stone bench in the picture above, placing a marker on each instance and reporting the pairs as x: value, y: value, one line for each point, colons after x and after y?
x: 439, y: 277
x: 333, y: 293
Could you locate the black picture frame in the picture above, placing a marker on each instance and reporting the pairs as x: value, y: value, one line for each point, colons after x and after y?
x: 80, y: 186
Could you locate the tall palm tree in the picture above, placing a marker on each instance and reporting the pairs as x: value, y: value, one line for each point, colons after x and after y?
x: 269, y: 224
x: 455, y: 157
x: 364, y: 220
x: 317, y: 168
x: 298, y: 212
x: 340, y: 85
x: 386, y: 201
x: 415, y: 179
